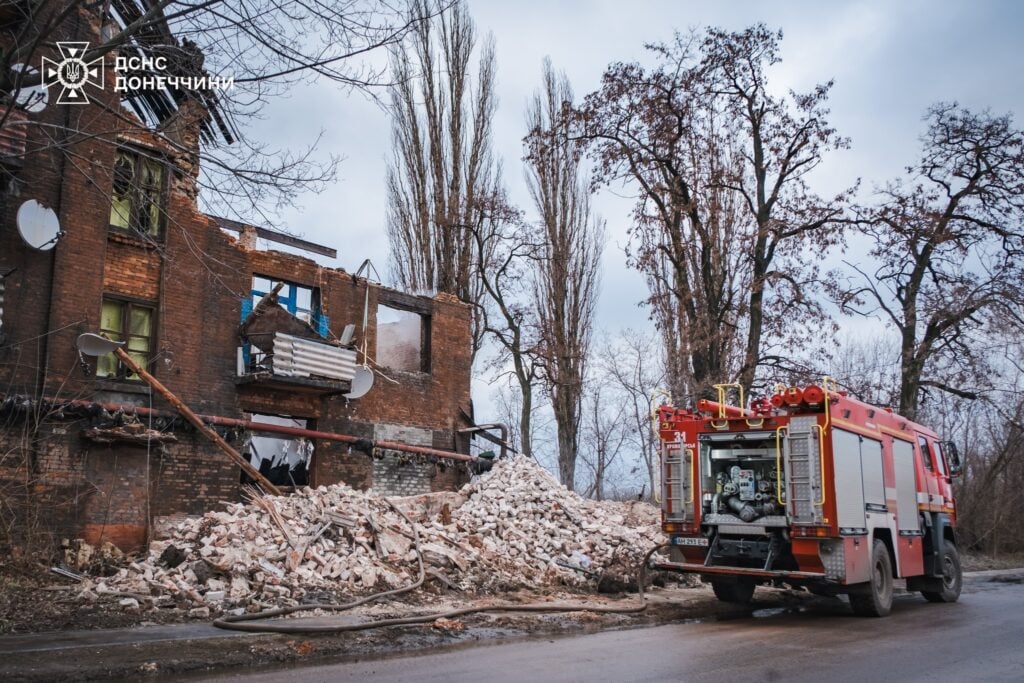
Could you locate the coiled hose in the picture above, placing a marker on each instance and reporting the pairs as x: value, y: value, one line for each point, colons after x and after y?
x: 244, y: 622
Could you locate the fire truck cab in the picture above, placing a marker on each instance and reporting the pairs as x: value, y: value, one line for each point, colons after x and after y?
x: 810, y: 488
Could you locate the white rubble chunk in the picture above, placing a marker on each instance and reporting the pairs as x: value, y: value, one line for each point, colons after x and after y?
x: 508, y: 527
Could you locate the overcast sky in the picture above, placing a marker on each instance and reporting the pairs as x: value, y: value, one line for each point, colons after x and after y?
x: 889, y: 60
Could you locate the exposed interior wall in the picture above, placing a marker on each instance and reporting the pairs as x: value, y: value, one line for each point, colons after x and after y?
x: 400, y: 339
x: 282, y: 459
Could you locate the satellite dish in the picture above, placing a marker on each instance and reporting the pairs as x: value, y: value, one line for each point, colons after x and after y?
x: 38, y: 225
x: 95, y: 345
x: 361, y: 383
x: 31, y: 98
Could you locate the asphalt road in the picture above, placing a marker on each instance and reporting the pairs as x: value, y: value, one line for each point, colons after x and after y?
x: 980, y: 638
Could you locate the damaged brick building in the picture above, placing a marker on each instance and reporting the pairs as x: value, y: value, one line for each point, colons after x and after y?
x: 193, y: 298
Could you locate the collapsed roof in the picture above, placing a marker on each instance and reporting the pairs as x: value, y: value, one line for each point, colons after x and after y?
x: 184, y: 59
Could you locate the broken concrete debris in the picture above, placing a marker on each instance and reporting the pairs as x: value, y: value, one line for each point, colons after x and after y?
x: 513, y: 527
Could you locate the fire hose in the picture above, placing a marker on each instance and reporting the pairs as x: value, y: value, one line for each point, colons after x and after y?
x: 244, y: 622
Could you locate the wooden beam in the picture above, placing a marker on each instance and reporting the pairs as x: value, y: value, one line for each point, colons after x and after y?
x: 197, y: 422
x: 279, y: 237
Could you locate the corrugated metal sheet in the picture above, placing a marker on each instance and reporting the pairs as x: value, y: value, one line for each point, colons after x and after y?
x: 295, y: 357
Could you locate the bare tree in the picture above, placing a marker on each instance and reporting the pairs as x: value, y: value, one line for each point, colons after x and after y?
x: 990, y: 434
x: 868, y: 367
x: 638, y: 127
x: 605, y: 435
x: 567, y: 272
x: 723, y: 215
x: 783, y: 140
x: 263, y: 47
x: 992, y: 485
x: 444, y: 183
x: 948, y: 247
x: 631, y: 366
x: 504, y: 260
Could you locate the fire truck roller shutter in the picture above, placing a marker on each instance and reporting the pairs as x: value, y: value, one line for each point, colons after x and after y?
x: 849, y: 484
x: 906, y: 486
x: 871, y: 464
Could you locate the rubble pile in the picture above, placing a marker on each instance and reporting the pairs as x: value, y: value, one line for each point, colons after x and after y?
x: 513, y: 527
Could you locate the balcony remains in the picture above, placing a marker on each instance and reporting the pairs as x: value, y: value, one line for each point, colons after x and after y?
x: 281, y: 349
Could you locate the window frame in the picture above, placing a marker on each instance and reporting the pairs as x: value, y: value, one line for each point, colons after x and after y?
x: 940, y: 458
x: 926, y: 452
x: 290, y: 300
x: 127, y: 304
x: 135, y: 196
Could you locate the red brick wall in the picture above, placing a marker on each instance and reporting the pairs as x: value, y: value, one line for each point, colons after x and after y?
x: 191, y: 477
x: 130, y: 269
x: 197, y: 276
x: 116, y: 509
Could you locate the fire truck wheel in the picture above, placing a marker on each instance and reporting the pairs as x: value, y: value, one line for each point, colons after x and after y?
x: 876, y: 601
x: 952, y: 577
x: 739, y: 591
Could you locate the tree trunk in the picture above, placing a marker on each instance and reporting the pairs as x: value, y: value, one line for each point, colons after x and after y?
x: 567, y: 453
x: 525, y: 417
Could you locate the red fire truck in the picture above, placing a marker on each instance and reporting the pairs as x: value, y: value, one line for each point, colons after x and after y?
x: 809, y: 488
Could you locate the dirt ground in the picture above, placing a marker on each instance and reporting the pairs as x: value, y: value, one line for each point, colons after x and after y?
x: 32, y: 600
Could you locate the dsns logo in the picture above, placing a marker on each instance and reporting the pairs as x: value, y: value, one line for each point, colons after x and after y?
x: 72, y: 73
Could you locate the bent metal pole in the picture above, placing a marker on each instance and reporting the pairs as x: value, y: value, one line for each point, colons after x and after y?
x: 280, y: 429
x: 197, y: 422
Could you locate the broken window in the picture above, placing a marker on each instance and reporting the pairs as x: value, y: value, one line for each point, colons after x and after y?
x: 131, y: 323
x: 137, y: 198
x: 282, y: 459
x: 301, y: 301
x: 403, y: 339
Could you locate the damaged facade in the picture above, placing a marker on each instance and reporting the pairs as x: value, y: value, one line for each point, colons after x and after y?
x: 232, y: 330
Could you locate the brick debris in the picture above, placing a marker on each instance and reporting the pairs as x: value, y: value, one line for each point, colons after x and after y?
x: 511, y: 528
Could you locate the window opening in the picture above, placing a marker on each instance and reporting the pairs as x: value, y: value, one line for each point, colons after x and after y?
x: 926, y: 456
x: 403, y: 339
x: 940, y: 460
x: 282, y: 459
x: 301, y: 301
x: 131, y: 323
x: 137, y: 197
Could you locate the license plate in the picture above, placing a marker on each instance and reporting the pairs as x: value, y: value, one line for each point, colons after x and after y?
x: 689, y: 540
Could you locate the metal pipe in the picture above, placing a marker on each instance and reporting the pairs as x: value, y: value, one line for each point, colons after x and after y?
x: 276, y: 429
x: 500, y: 441
x: 721, y: 409
x: 745, y: 511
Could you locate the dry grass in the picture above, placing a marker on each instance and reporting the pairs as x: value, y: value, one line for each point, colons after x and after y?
x: 973, y: 562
